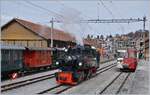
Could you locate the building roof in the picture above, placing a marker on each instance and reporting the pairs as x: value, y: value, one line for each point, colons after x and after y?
x: 92, y: 42
x: 4, y: 46
x: 43, y: 31
x: 88, y: 42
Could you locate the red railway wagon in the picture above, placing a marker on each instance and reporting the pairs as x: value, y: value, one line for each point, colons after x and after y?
x: 131, y: 61
x: 37, y: 57
x: 128, y: 60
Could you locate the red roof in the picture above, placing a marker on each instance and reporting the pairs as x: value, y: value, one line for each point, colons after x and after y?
x: 93, y: 42
x: 44, y: 31
x: 89, y: 41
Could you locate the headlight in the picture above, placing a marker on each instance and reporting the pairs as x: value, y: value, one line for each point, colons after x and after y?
x: 57, y: 63
x: 66, y: 50
x: 119, y: 61
x: 80, y: 64
x: 69, y: 57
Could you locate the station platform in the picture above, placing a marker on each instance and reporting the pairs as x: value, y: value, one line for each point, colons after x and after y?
x: 138, y: 83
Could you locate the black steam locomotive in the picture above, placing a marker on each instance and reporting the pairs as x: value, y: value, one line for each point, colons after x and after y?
x: 77, y: 64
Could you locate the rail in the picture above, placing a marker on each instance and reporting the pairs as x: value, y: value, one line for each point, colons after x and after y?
x: 115, y: 79
x: 101, y: 70
x: 25, y: 82
x: 41, y: 78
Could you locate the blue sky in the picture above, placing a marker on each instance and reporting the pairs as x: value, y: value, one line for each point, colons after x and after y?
x: 77, y: 10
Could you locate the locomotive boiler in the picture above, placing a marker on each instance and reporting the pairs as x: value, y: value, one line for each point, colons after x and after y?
x: 77, y: 64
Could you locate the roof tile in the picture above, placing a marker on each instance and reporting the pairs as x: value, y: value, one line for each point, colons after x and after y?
x: 45, y: 31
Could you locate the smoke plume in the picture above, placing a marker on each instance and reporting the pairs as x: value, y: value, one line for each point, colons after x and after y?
x: 71, y: 23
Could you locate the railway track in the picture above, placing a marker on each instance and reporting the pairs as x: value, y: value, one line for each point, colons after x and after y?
x: 56, y: 89
x: 112, y: 82
x: 121, y: 86
x: 25, y: 82
x: 27, y: 73
x: 105, y: 68
x: 61, y: 88
x: 41, y: 78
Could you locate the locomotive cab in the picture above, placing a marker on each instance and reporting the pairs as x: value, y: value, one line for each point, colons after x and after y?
x: 121, y: 54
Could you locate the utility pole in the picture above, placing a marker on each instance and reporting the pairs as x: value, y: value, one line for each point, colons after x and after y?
x: 52, y: 23
x: 144, y: 20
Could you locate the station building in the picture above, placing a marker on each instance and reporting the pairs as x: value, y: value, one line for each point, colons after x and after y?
x: 25, y: 33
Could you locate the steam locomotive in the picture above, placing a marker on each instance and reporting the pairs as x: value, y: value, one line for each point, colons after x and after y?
x: 77, y: 64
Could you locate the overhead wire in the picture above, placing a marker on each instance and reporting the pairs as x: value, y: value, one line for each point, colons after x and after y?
x: 111, y: 13
x: 98, y: 10
x: 27, y: 5
x: 43, y: 8
x: 77, y: 10
x: 107, y: 8
x: 111, y: 2
x: 98, y: 13
x: 129, y: 24
x: 120, y: 15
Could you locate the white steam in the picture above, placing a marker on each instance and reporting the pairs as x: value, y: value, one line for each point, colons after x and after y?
x: 71, y: 23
